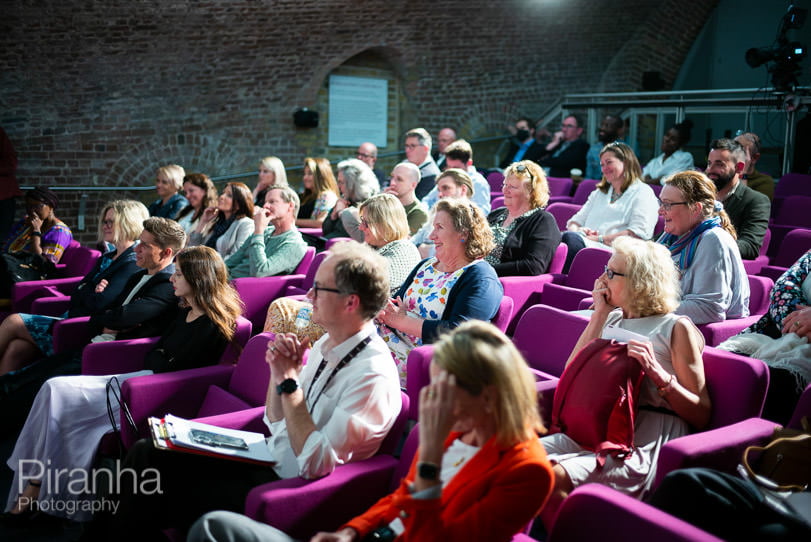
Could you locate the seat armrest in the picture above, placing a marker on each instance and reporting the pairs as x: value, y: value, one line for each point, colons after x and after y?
x: 179, y: 393
x: 302, y: 507
x: 720, y: 448
x: 251, y: 419
x: 71, y: 334
x: 116, y: 357
x: 51, y: 306
x: 24, y: 293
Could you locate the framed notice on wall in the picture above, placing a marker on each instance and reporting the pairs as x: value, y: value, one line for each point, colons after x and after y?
x: 358, y: 111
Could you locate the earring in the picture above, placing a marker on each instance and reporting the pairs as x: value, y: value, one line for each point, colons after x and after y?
x: 462, y: 240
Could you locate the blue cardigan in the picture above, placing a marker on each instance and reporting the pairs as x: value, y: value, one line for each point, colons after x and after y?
x: 475, y: 296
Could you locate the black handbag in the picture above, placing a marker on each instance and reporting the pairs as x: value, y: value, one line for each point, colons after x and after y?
x: 23, y: 266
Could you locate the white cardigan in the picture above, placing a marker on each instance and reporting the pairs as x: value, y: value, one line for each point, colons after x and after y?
x: 228, y: 243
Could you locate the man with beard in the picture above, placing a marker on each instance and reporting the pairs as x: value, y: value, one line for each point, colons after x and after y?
x: 748, y: 210
x: 609, y: 132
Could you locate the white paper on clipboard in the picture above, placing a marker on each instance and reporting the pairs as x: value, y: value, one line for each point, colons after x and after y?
x: 622, y: 335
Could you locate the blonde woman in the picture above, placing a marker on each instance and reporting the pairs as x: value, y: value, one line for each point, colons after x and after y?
x: 320, y: 193
x: 168, y: 184
x: 271, y: 172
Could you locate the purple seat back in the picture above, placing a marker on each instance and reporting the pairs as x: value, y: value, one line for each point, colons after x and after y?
x: 794, y: 211
x: 417, y: 375
x: 559, y: 259
x: 760, y: 289
x: 562, y: 212
x: 657, y: 189
x: 242, y: 333
x: 304, y: 264
x: 559, y: 186
x: 533, y: 333
x: 802, y: 409
x: 309, y: 278
x: 587, y: 265
x: 495, y: 179
x: 497, y: 203
x: 583, y: 190
x: 395, y: 436
x: 77, y: 260
x: 795, y: 244
x: 793, y: 184
x: 598, y: 512
x: 249, y: 380
x: 504, y: 314
x: 737, y: 386
x: 412, y: 442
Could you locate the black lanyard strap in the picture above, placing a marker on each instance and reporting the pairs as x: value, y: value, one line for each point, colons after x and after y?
x: 341, y: 364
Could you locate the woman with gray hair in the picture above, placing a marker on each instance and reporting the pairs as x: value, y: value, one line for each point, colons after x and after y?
x: 357, y: 183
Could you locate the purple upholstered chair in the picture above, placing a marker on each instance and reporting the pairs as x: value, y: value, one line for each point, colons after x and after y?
x: 302, y: 507
x: 737, y: 386
x: 309, y: 278
x: 793, y: 214
x: 258, y: 293
x: 205, y: 392
x: 562, y: 212
x: 583, y: 190
x: 77, y: 261
x: 722, y: 448
x: 567, y: 290
x: 526, y: 291
x: 795, y: 244
x: 495, y: 179
x: 497, y: 203
x: 790, y: 184
x: 597, y: 512
x: 560, y: 189
x: 759, y: 292
x: 116, y: 357
x: 418, y: 375
x: 753, y: 267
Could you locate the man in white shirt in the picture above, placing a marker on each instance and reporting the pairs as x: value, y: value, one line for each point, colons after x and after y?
x: 335, y: 409
x: 459, y: 155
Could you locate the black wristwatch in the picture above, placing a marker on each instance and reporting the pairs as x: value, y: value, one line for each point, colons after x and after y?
x: 427, y: 471
x: 288, y: 386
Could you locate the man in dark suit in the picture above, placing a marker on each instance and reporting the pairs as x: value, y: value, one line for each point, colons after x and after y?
x: 445, y: 137
x: 523, y: 146
x: 566, y: 151
x: 747, y: 209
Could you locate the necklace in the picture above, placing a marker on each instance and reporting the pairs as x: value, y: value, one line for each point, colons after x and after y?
x: 615, y: 195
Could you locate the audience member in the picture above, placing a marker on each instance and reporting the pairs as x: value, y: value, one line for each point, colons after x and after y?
x: 202, y: 194
x: 451, y: 183
x: 168, y: 183
x: 271, y: 173
x: 26, y: 337
x: 609, y: 131
x: 621, y: 205
x: 754, y: 179
x: 320, y: 193
x: 748, y: 210
x: 36, y: 242
x: 367, y: 153
x: 459, y: 155
x: 318, y: 418
x: 418, y: 152
x: 76, y: 405
x: 781, y: 339
x: 480, y: 472
x: 445, y: 137
x: 673, y: 159
x: 443, y: 291
x: 701, y: 239
x: 226, y: 226
x: 522, y: 145
x: 642, y: 282
x: 276, y: 246
x: 9, y: 189
x: 356, y: 183
x: 566, y: 151
x: 525, y: 235
x: 405, y: 177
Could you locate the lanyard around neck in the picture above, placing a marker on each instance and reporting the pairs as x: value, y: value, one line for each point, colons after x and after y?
x: 341, y: 364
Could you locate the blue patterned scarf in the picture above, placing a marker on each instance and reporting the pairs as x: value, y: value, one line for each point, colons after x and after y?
x: 685, y: 246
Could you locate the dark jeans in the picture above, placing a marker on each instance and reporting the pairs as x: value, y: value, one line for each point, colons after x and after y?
x: 191, y: 486
x: 576, y: 243
x: 782, y: 396
x: 724, y: 505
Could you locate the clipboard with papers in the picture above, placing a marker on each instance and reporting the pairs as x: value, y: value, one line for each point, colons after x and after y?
x: 187, y: 436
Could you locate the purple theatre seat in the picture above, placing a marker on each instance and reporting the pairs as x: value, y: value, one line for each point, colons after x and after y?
x: 794, y: 213
x: 418, y: 375
x: 495, y: 179
x: 567, y: 290
x: 583, y: 190
x: 309, y: 278
x: 497, y: 203
x: 205, y: 392
x: 790, y: 184
x: 657, y: 189
x: 258, y: 293
x: 302, y: 507
x: 597, y: 512
x: 562, y: 212
x: 737, y: 386
x: 753, y: 267
x: 25, y: 294
x: 759, y: 293
x: 795, y: 244
x: 116, y: 357
x: 504, y: 313
x: 559, y: 186
x: 722, y: 448
x: 77, y: 261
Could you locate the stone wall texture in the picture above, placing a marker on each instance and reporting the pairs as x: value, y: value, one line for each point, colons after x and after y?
x: 100, y: 93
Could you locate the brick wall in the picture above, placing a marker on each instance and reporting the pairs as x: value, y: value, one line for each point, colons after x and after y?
x: 101, y: 93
